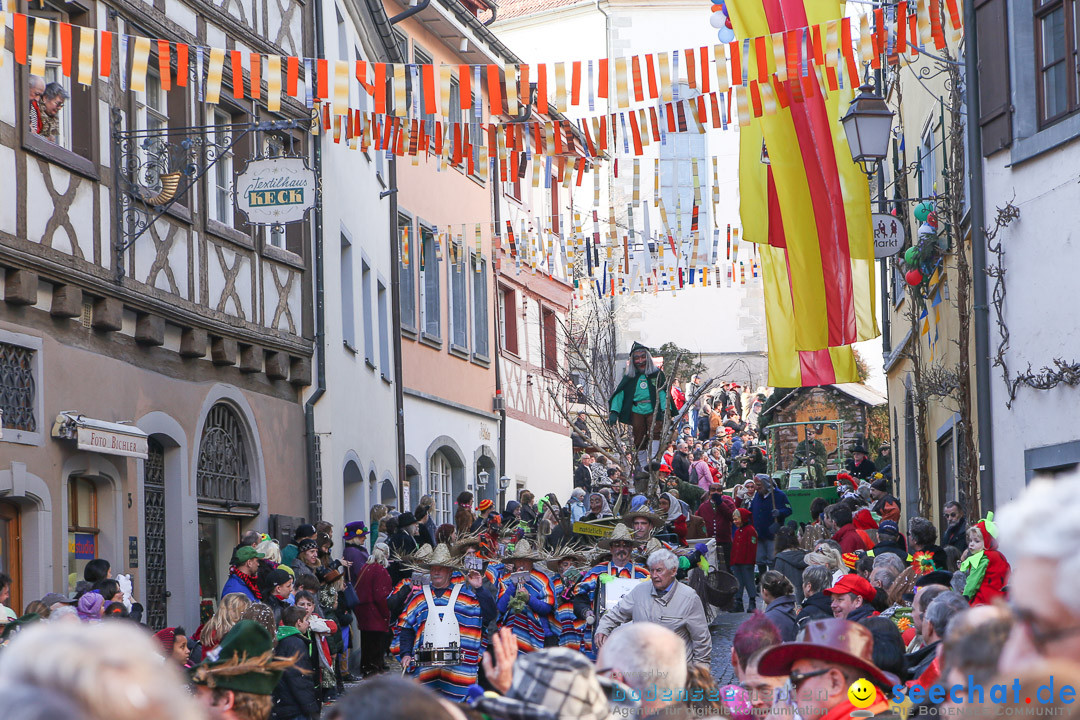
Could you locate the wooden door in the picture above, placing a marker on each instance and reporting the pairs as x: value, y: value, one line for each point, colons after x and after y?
x: 11, y: 552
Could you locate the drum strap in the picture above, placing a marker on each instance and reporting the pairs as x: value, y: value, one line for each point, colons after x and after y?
x: 441, y: 612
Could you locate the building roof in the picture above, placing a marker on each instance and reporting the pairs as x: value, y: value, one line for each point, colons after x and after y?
x: 862, y: 393
x: 511, y: 9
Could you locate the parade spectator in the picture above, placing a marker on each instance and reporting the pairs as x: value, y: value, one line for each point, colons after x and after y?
x: 839, y: 516
x: 423, y: 534
x: 296, y: 697
x: 717, y: 511
x: 789, y: 559
x: 883, y: 462
x: 816, y: 579
x: 829, y: 557
x: 403, y: 542
x: 463, y: 518
x: 955, y: 534
x: 924, y: 548
x: 851, y: 598
x: 778, y: 594
x: 700, y: 474
x: 429, y: 502
x: 770, y: 509
x: 109, y: 671
x: 174, y: 645
x: 666, y: 602
x: 576, y: 506
x: 675, y: 519
x: 972, y: 647
x: 52, y: 102
x: 484, y: 509
x: 229, y: 612
x: 888, y: 645
x: 827, y: 657
x: 305, y: 531
x: 373, y: 619
x: 307, y: 559
x: 743, y: 558
x: 583, y: 473
x: 935, y: 622
x: 1039, y: 532
x: 35, y: 86
x: 885, y: 505
x: 529, y: 512
x: 91, y: 607
x: 580, y: 436
x: 646, y: 656
x: 986, y: 570
x: 924, y: 595
x: 889, y: 542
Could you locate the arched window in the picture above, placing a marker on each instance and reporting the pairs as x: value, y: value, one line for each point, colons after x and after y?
x: 223, y: 477
x: 82, y: 526
x: 439, y: 479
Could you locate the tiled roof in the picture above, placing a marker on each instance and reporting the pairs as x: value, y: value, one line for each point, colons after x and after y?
x: 511, y: 9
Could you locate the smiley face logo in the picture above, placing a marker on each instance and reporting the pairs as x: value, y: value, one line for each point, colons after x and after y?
x: 862, y: 693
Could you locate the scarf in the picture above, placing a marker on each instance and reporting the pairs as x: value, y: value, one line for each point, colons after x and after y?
x: 675, y: 508
x: 247, y: 580
x: 975, y: 567
x: 605, y: 509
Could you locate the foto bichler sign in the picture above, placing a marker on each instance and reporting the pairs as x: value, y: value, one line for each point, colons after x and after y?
x: 275, y: 191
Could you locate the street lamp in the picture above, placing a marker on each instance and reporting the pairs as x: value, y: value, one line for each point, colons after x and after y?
x: 482, y: 478
x: 868, y: 126
x: 504, y: 482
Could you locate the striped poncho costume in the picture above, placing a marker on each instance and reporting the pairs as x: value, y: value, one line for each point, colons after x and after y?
x: 530, y: 623
x: 585, y: 599
x: 474, y: 609
x: 569, y: 629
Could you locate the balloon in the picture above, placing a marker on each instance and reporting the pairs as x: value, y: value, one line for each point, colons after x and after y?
x: 911, y: 256
x: 729, y: 25
x: 726, y: 35
x: 927, y: 229
x: 718, y: 19
x: 922, y: 210
x: 913, y: 277
x: 718, y: 8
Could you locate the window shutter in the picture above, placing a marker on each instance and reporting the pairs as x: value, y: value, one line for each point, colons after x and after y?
x: 995, y: 101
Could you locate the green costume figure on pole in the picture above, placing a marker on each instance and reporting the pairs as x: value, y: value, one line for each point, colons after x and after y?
x: 640, y: 401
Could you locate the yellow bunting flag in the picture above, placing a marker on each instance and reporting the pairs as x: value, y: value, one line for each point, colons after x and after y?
x: 560, y: 87
x: 779, y: 56
x: 622, y: 88
x: 720, y: 57
x: 213, y: 75
x: 341, y: 87
x: 400, y: 98
x: 743, y: 105
x: 273, y: 83
x: 139, y: 60
x: 40, y: 47
x: 86, y: 54
x: 665, y: 76
x: 445, y: 83
x: 511, y: 88
x: 866, y: 46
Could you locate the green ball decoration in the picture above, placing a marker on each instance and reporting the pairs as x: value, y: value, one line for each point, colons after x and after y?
x: 923, y: 210
x: 911, y: 256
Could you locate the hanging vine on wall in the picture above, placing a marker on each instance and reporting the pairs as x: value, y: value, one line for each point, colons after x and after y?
x: 1063, y: 372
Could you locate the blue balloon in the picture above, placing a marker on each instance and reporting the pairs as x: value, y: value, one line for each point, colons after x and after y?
x: 726, y: 35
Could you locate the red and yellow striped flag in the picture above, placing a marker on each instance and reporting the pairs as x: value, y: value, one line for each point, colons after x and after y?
x: 822, y: 199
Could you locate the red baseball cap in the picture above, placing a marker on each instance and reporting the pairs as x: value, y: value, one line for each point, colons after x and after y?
x: 852, y: 583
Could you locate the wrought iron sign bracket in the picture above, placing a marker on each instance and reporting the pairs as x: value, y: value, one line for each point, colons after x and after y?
x: 155, y: 168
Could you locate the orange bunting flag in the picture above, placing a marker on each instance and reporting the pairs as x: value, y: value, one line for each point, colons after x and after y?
x: 19, y: 34
x: 164, y: 64
x: 255, y: 71
x: 65, y: 49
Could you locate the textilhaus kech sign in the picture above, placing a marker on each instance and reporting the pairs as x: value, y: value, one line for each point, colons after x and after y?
x: 275, y: 191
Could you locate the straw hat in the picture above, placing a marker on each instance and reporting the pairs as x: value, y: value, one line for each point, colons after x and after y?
x: 564, y: 552
x: 465, y: 543
x: 439, y: 557
x: 652, y: 517
x: 621, y: 533
x: 524, y: 550
x: 650, y: 547
x: 414, y: 559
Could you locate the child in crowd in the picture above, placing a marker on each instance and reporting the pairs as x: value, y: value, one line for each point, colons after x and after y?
x: 296, y: 696
x: 987, y: 569
x: 744, y: 557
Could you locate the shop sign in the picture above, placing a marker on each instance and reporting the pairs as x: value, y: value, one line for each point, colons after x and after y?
x: 83, y: 546
x: 584, y: 528
x: 888, y: 235
x: 111, y: 443
x: 275, y: 191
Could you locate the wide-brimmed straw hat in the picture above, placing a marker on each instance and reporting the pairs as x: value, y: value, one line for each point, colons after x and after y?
x: 523, y: 550
x: 621, y: 533
x: 555, y: 555
x: 439, y: 557
x: 652, y: 517
x: 831, y: 640
x: 414, y: 560
x: 465, y: 543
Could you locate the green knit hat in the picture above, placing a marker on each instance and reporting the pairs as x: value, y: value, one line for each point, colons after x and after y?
x: 245, y: 663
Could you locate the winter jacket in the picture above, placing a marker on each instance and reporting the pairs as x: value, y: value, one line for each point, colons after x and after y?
x: 888, y: 508
x: 762, y: 509
x: 849, y: 539
x: 401, y: 543
x: 790, y: 563
x: 895, y: 548
x: 717, y: 518
x: 236, y: 585
x: 744, y: 542
x: 815, y: 607
x: 956, y: 535
x: 583, y: 478
x: 700, y: 475
x: 680, y: 466
x: 373, y: 587
x: 679, y: 609
x: 781, y: 612
x: 863, y: 611
x: 295, y: 695
x: 919, y: 661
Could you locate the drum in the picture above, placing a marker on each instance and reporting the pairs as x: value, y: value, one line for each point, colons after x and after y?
x: 430, y: 656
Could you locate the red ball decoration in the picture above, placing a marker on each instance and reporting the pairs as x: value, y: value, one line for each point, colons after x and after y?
x: 728, y: 23
x: 913, y: 277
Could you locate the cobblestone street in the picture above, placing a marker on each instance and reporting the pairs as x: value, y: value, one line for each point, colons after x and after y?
x: 723, y: 633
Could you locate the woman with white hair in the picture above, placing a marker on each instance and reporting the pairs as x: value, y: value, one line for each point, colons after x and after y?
x: 270, y: 550
x: 576, y: 506
x: 830, y: 557
x: 373, y: 587
x: 110, y: 671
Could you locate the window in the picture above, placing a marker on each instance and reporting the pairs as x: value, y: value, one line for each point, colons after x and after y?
x: 82, y: 526
x: 927, y: 164
x: 348, y: 297
x: 152, y: 109
x: 64, y: 117
x: 430, y: 285
x: 677, y: 158
x: 407, y: 273
x: 219, y: 183
x: 369, y: 328
x: 1056, y: 59
x: 508, y: 335
x: 222, y: 477
x: 440, y: 477
x: 18, y: 389
x: 946, y: 467
x: 480, y: 307
x: 550, y: 329
x: 459, y: 301
x: 384, y: 334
